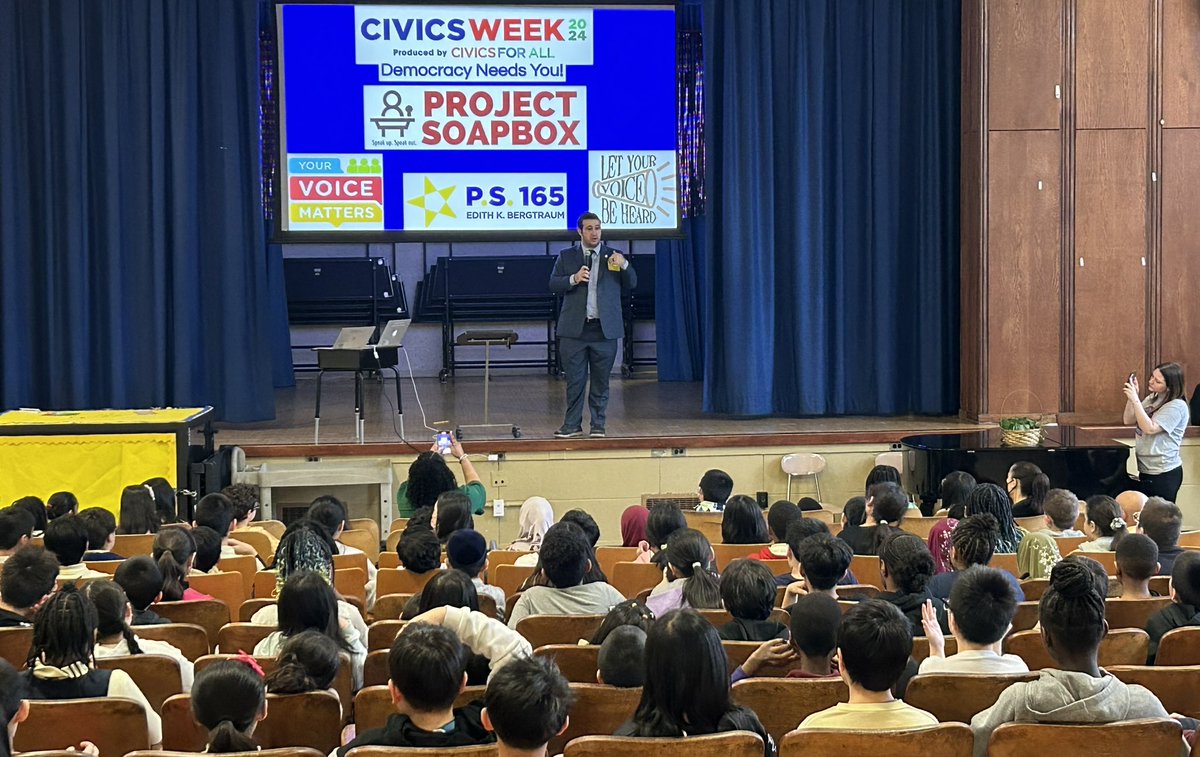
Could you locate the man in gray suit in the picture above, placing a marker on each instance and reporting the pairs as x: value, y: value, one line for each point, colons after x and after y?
x: 590, y: 276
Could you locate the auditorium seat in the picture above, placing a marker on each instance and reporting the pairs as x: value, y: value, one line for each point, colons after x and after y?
x: 276, y: 528
x: 919, y: 525
x: 104, y: 566
x: 731, y: 744
x: 364, y: 540
x: 243, y: 564
x: 920, y: 648
x: 288, y: 752
x: 781, y: 703
x: 1107, y: 559
x: 858, y: 591
x: 131, y: 545
x: 578, y: 662
x: 158, y: 676
x: 1034, y: 588
x: 260, y: 542
x: 342, y: 562
x: 241, y: 637
x: 370, y: 525
x: 388, y: 560
x: 1032, y: 523
x: 312, y: 720
x: 482, y: 750
x: 945, y: 740
x: 389, y: 606
x: 382, y: 633
x: 114, y: 724
x: 498, y: 557
x: 509, y: 578
x: 608, y: 557
x: 1175, y: 686
x: 375, y: 668
x: 393, y: 538
x: 866, y: 569
x: 1151, y: 736
x: 188, y: 638
x: 210, y: 614
x: 1124, y: 646
x: 959, y: 697
x: 487, y: 606
x: 373, y: 704
x: 342, y: 683
x: 727, y: 553
x: 597, y: 711
x: 1004, y: 561
x: 14, y: 645
x: 399, y: 581
x: 398, y: 524
x: 265, y: 582
x: 248, y: 608
x: 1026, y: 616
x: 1179, y: 646
x: 1068, y: 544
x: 351, y: 585
x: 541, y: 630
x: 632, y: 578
x: 227, y: 587
x: 1132, y: 613
x: 717, y: 617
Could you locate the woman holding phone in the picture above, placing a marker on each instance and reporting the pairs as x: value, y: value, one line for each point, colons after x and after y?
x: 1159, y: 421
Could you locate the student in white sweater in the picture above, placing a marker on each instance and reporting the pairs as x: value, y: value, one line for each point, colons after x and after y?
x: 114, y: 637
x: 982, y: 606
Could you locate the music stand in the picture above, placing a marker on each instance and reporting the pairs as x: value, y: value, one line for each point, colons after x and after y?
x: 487, y: 339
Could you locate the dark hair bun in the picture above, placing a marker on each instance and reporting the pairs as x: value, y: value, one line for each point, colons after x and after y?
x: 989, y: 522
x: 1072, y: 579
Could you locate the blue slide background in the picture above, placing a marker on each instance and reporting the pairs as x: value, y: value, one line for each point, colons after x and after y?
x: 631, y: 100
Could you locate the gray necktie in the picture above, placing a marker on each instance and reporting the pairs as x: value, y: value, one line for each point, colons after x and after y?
x: 593, y: 308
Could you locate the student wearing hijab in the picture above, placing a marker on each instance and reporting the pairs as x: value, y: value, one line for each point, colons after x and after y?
x: 536, y: 518
x: 633, y: 525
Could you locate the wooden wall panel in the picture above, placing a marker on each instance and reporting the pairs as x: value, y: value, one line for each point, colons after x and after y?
x: 1180, y: 256
x: 1024, y: 296
x: 1024, y: 54
x: 1110, y: 288
x: 1111, y: 63
x: 1181, y: 63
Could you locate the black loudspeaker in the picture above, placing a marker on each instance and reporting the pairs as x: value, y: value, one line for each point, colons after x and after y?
x: 762, y: 500
x: 207, y: 475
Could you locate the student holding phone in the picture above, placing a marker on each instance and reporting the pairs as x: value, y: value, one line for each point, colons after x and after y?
x: 1159, y: 421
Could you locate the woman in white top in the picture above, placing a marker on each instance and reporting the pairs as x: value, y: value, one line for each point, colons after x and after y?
x: 114, y: 637
x: 1159, y: 421
x: 306, y: 547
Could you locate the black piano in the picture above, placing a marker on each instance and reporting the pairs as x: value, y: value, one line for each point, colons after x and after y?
x: 1086, y: 462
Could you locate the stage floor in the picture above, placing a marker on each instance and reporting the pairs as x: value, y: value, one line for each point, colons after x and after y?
x: 638, y: 408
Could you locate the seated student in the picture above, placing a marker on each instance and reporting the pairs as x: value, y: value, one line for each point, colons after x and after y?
x: 854, y: 515
x: 1077, y: 690
x: 419, y: 550
x: 175, y: 552
x: 165, y: 502
x: 64, y: 638
x: 798, y: 530
x: 664, y: 519
x: 308, y: 603
x: 534, y: 520
x: 14, y: 710
x: 631, y: 612
x: 27, y: 580
x: 526, y: 705
x: 906, y: 567
x: 114, y: 637
x: 807, y: 504
x: 781, y: 515
x: 16, y: 529
x: 244, y: 498
x: 467, y: 551
x: 1104, y: 524
x: 742, y: 521
x: 714, y: 489
x: 874, y: 642
x: 137, y: 514
x: 684, y: 654
x: 35, y: 507
x: 814, y: 626
x: 982, y: 606
x: 1137, y: 562
x: 1185, y: 594
x: 633, y: 525
x: 208, y: 550
x: 886, y: 507
x: 1061, y: 510
x: 748, y: 593
x: 448, y: 587
x: 215, y: 511
x: 620, y: 662
x: 229, y: 700
x: 308, y: 661
x: 142, y: 581
x: 101, y: 528
x: 1161, y: 521
x: 60, y: 504
x: 690, y: 579
x: 452, y: 512
x: 564, y: 561
x: 306, y: 547
x: 953, y: 497
x: 821, y: 563
x: 973, y: 542
x: 428, y: 669
x: 331, y: 513
x: 67, y: 539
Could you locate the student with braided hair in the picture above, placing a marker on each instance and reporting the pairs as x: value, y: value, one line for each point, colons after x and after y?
x: 60, y: 662
x: 115, y: 638
x: 991, y: 499
x: 690, y: 579
x: 906, y: 566
x: 973, y: 542
x: 1077, y: 690
x: 14, y: 709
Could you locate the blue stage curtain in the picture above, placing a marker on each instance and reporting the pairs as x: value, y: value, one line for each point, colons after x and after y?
x: 133, y: 262
x: 833, y: 152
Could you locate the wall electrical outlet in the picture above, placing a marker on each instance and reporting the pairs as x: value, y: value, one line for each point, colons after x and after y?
x: 497, y: 480
x: 497, y: 508
x: 678, y: 451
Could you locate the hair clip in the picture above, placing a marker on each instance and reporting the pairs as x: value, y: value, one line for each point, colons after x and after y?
x: 250, y: 662
x: 883, y: 523
x: 1117, y: 523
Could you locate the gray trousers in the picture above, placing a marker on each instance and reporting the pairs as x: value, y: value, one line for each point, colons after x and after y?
x: 590, y: 353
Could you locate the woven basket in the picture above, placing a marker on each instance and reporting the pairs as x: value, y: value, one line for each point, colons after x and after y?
x: 1026, y: 438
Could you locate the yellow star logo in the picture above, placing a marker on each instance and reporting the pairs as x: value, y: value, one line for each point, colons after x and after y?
x: 429, y: 201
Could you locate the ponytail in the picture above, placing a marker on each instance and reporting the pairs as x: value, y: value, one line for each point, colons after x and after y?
x: 1035, y: 485
x: 227, y: 738
x: 689, y: 555
x: 1107, y: 516
x: 702, y: 590
x: 173, y: 550
x: 1038, y: 489
x: 174, y: 581
x: 111, y: 604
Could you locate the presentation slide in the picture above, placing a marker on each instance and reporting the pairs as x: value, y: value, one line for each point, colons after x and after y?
x: 436, y: 122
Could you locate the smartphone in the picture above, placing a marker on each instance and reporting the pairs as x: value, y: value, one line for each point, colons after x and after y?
x: 444, y: 442
x: 1132, y: 377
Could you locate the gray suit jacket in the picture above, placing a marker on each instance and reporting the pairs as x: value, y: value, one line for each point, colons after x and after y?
x: 608, y: 297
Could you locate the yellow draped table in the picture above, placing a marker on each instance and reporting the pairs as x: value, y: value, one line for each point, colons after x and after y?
x: 96, y: 453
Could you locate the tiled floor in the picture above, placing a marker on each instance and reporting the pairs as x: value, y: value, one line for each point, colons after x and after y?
x: 637, y: 407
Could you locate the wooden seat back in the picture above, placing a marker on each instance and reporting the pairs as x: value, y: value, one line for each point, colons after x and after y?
x: 866, y: 570
x: 373, y: 705
x: 577, y: 662
x: 245, y: 565
x: 370, y: 525
x: 393, y: 538
x: 1034, y: 588
x: 375, y: 668
x: 781, y: 703
x: 1107, y: 559
x: 481, y: 750
x: 158, y: 676
x: 1006, y: 561
x: 1174, y: 686
x: 287, y: 752
x: 730, y: 744
x: 945, y: 740
x: 388, y: 560
x: 14, y: 645
x: 1128, y: 737
x: 351, y: 583
x: 104, y: 566
x: 188, y: 638
x: 597, y: 711
x: 400, y: 581
x: 312, y: 720
x: 1068, y: 544
x: 115, y: 725
x: 241, y: 637
x: 229, y: 587
x: 631, y: 578
x: 509, y: 578
x: 1026, y: 616
x: 858, y: 591
x: 608, y: 557
x: 248, y: 608
x: 959, y: 697
x: 342, y: 682
x: 1132, y: 613
x: 362, y: 539
x: 919, y: 525
x: 727, y: 553
x: 209, y: 614
x: 1123, y: 646
x: 920, y: 648
x: 131, y: 545
x: 356, y: 560
x: 541, y: 630
x: 1179, y: 646
x: 382, y: 633
x: 717, y: 618
x: 276, y: 528
x: 390, y: 606
x: 259, y: 542
x: 265, y: 583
